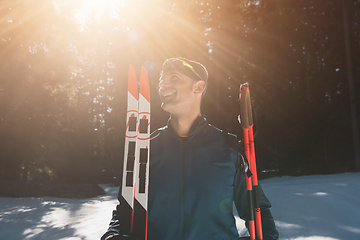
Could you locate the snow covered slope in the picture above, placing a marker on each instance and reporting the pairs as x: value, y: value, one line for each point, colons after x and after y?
x: 316, y: 207
x: 323, y: 207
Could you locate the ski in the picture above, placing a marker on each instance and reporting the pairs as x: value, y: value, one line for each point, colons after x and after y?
x: 134, y: 187
x: 126, y: 207
x: 142, y: 162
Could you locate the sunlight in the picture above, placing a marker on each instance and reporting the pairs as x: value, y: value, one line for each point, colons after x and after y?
x: 351, y: 229
x: 320, y: 194
x: 281, y: 224
x: 97, y: 7
x: 314, y: 238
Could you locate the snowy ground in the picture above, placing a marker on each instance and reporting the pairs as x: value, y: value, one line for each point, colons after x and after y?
x: 309, y: 207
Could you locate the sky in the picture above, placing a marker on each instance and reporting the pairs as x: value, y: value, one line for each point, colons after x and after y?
x: 319, y: 207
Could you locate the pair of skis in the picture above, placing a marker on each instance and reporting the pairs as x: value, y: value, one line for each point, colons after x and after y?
x: 251, y: 181
x: 135, y: 178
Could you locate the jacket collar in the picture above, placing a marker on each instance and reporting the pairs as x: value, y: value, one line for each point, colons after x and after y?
x: 198, y: 125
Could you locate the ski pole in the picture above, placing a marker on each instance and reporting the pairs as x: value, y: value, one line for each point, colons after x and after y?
x: 245, y: 125
x: 251, y: 183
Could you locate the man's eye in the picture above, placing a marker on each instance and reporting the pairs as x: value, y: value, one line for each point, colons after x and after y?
x: 174, y: 78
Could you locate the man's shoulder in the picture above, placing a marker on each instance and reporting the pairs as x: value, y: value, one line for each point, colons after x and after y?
x: 220, y: 132
x: 158, y: 132
x: 158, y: 140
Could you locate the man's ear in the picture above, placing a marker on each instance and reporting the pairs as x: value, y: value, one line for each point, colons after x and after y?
x: 200, y: 86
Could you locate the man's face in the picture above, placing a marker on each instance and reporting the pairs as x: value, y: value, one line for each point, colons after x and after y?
x: 176, y: 91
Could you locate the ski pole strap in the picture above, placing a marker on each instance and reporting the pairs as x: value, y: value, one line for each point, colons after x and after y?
x: 237, y: 147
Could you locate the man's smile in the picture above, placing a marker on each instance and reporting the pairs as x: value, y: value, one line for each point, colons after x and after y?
x: 167, y: 92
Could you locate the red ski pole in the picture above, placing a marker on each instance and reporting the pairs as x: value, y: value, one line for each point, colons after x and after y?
x: 251, y: 183
x: 245, y: 126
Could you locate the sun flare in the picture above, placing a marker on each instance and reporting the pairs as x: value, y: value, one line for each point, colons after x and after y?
x: 97, y: 7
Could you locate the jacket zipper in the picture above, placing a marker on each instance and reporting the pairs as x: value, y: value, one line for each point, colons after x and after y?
x: 184, y: 188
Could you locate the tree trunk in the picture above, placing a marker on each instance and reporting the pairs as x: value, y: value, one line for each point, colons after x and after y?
x: 354, y: 120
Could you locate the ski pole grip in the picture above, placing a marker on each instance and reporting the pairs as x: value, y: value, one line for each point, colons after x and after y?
x: 245, y: 106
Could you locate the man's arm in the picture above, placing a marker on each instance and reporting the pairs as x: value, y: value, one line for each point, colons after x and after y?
x: 114, y: 226
x: 241, y: 202
x: 113, y: 232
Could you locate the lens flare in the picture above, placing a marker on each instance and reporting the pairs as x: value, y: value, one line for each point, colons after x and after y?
x: 151, y: 68
x: 97, y: 7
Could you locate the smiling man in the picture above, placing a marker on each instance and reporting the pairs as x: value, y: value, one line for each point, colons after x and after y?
x: 181, y: 88
x: 194, y: 181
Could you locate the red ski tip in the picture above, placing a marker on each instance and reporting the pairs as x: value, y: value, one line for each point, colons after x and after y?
x: 132, y: 83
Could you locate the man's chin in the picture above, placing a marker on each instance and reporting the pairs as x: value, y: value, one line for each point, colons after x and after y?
x: 163, y: 106
x: 166, y: 106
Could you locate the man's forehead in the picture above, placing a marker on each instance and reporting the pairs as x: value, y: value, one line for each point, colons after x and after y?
x: 172, y: 72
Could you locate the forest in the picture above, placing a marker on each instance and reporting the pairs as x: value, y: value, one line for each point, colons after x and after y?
x: 63, y: 81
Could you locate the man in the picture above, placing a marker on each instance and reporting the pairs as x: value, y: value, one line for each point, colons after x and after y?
x: 193, y: 176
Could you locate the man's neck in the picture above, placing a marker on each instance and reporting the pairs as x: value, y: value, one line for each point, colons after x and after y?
x: 182, y: 124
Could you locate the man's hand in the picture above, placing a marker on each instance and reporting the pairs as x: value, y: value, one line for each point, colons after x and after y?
x: 121, y: 237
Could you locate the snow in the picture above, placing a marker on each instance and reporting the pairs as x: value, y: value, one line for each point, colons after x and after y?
x: 321, y: 207
x: 316, y: 207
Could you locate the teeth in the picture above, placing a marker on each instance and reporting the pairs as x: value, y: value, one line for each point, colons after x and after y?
x: 167, y: 94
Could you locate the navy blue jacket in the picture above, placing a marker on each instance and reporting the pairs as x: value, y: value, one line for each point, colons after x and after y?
x: 193, y: 185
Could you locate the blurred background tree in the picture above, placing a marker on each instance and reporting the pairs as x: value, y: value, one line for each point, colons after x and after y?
x: 63, y: 79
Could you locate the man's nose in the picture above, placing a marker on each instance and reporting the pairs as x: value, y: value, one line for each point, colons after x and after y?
x: 163, y: 83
